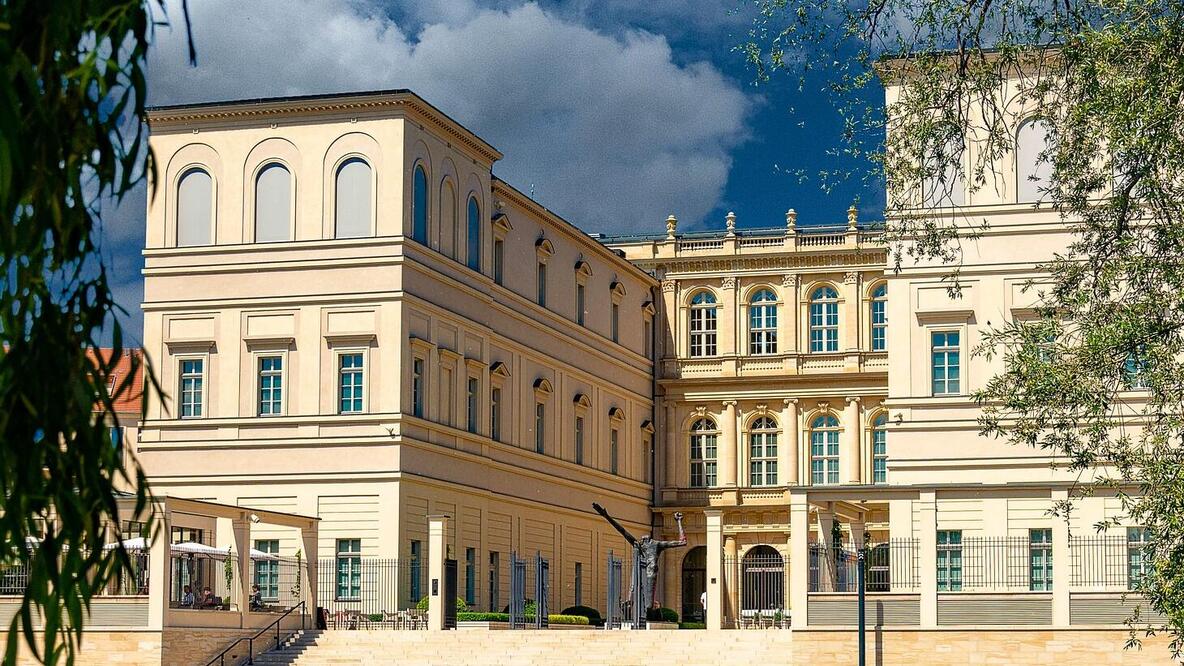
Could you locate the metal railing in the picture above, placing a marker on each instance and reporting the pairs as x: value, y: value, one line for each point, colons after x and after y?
x: 995, y: 563
x: 613, y: 601
x: 359, y: 591
x: 892, y: 566
x: 220, y: 658
x: 1104, y: 562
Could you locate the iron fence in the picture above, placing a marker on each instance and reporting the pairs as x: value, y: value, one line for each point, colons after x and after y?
x: 542, y: 590
x: 892, y: 566
x: 358, y: 592
x: 1105, y: 562
x: 613, y: 602
x: 517, y: 608
x: 997, y: 563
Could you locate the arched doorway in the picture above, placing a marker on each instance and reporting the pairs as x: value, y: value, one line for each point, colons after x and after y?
x: 694, y: 583
x: 762, y: 575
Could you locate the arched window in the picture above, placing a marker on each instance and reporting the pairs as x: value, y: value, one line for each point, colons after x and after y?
x: 1031, y: 173
x: 195, y: 202
x: 353, y: 199
x: 703, y: 324
x: 762, y: 452
x: 694, y: 582
x: 473, y: 252
x: 824, y: 320
x: 824, y: 450
x: 419, y: 205
x: 447, y: 220
x: 762, y: 323
x: 880, y: 318
x: 762, y: 575
x: 704, y: 435
x: 947, y: 188
x: 880, y: 449
x: 273, y: 204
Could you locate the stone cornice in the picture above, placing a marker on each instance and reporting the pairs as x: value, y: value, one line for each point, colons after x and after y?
x: 838, y: 261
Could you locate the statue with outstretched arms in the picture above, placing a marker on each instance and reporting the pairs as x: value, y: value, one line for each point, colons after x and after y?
x: 649, y: 550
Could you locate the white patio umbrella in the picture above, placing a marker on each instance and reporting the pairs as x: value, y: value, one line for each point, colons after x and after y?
x: 137, y: 543
x: 202, y: 550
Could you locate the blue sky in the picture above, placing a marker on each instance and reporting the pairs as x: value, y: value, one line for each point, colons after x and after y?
x: 617, y: 112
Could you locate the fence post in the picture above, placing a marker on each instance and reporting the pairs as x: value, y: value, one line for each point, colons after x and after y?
x: 927, y: 534
x: 799, y: 559
x: 541, y: 589
x: 715, y: 569
x: 613, y: 601
x: 437, y: 528
x: 1060, y: 563
x: 517, y: 591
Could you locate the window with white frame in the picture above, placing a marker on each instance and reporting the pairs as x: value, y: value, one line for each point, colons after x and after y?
x: 949, y: 560
x: 762, y: 323
x: 703, y: 324
x: 581, y: 304
x: 273, y: 204
x: 824, y: 450
x: 579, y: 436
x: 1040, y: 559
x: 195, y: 206
x: 471, y: 576
x: 1136, y: 556
x: 704, y: 438
x: 762, y: 452
x: 879, y: 318
x: 267, y: 571
x: 541, y: 284
x: 1134, y: 372
x: 880, y: 449
x: 540, y: 427
x: 271, y: 385
x: 499, y: 260
x: 350, y: 386
x: 495, y: 413
x: 418, y: 386
x: 1033, y: 175
x: 824, y: 320
x: 946, y: 361
x: 192, y: 387
x: 349, y: 569
x: 471, y: 405
x: 446, y: 390
x: 614, y: 450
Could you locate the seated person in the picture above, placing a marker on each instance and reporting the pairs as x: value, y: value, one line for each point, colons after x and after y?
x: 256, y: 598
x: 187, y: 599
x: 208, y: 599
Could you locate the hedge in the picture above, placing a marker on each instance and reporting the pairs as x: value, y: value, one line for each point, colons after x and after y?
x: 592, y: 614
x: 461, y: 606
x: 662, y: 615
x: 505, y: 617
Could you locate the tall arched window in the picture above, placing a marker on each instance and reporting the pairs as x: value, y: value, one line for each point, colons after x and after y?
x: 704, y: 435
x: 419, y: 205
x: 762, y: 323
x: 703, y: 324
x: 446, y: 223
x: 880, y: 449
x: 195, y: 202
x: 824, y: 320
x: 473, y: 251
x: 824, y: 450
x: 762, y: 452
x: 880, y: 318
x: 1031, y: 173
x: 949, y: 187
x: 273, y: 204
x: 353, y: 197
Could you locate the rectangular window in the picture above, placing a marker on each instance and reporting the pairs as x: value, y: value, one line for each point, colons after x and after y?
x: 416, y: 570
x: 880, y: 455
x: 471, y: 576
x: 946, y: 362
x: 879, y: 325
x: 614, y: 444
x: 616, y: 323
x: 1136, y: 559
x: 579, y: 440
x: 1040, y: 559
x: 540, y: 420
x: 579, y: 584
x: 647, y: 338
x: 349, y: 569
x: 499, y: 252
x: 271, y: 385
x: 417, y: 385
x: 192, y: 389
x: 541, y: 285
x: 580, y: 306
x: 495, y: 414
x: 494, y: 568
x: 471, y: 404
x: 267, y: 572
x: 446, y: 389
x: 647, y: 456
x: 949, y: 560
x: 349, y: 383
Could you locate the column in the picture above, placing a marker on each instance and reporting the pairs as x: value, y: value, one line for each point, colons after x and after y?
x: 851, y: 324
x: 787, y: 336
x: 437, y: 529
x: 849, y: 447
x: 826, y: 566
x: 799, y: 559
x: 858, y: 528
x: 159, y: 572
x: 715, y: 569
x: 1060, y: 563
x: 673, y: 456
x: 242, y: 547
x: 731, y: 571
x: 727, y: 455
x: 787, y: 449
x: 668, y: 325
x: 927, y: 536
x: 309, y: 541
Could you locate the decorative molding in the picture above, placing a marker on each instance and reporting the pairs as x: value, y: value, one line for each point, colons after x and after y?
x: 728, y: 282
x: 871, y: 259
x: 189, y: 345
x: 671, y: 227
x: 499, y: 369
x: 544, y: 248
x: 617, y: 290
x: 728, y: 403
x: 359, y: 338
x: 823, y: 406
x: 789, y: 401
x: 581, y: 401
x: 668, y: 286
x: 255, y: 342
x: 701, y: 410
x: 853, y: 398
x: 647, y: 426
x: 616, y: 414
x: 542, y: 387
x: 959, y: 316
x: 850, y: 277
x: 789, y: 281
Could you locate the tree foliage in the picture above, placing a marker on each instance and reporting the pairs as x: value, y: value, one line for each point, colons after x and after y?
x: 71, y: 98
x: 1099, y: 377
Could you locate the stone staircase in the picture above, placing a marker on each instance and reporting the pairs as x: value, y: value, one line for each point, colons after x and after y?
x: 530, y: 648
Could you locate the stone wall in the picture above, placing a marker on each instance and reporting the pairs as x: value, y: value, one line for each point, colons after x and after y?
x: 194, y: 647
x: 107, y: 648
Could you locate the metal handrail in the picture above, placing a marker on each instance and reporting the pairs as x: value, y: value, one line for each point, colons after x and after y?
x: 221, y: 656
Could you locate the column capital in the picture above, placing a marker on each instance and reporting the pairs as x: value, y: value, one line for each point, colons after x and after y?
x: 790, y: 402
x: 729, y: 403
x: 728, y: 282
x: 853, y: 398
x: 668, y: 286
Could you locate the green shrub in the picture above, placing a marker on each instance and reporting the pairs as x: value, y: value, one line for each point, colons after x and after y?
x: 592, y: 614
x: 662, y: 615
x: 567, y: 619
x: 375, y: 617
x: 461, y: 606
x: 527, y: 609
x: 482, y: 617
x: 691, y: 625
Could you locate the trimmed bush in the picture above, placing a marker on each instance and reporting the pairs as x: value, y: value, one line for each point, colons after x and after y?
x: 592, y: 614
x: 505, y: 617
x: 567, y: 619
x: 691, y: 625
x: 662, y: 615
x: 461, y: 606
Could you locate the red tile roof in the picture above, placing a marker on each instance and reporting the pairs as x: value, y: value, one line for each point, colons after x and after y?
x: 128, y: 402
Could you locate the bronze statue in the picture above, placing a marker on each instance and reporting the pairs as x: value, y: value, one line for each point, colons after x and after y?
x: 648, y: 549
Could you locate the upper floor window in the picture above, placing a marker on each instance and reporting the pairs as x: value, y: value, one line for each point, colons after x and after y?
x: 417, y: 387
x: 495, y: 413
x: 762, y: 323
x: 824, y: 320
x: 614, y: 451
x: 946, y: 185
x: 192, y: 387
x: 704, y: 437
x: 1032, y: 174
x: 703, y: 324
x: 1134, y: 371
x: 349, y: 383
x: 824, y: 450
x: 880, y: 318
x: 540, y: 428
x: 880, y: 449
x: 947, y: 364
x: 615, y: 324
x: 581, y: 304
x: 473, y: 249
x: 471, y: 406
x: 1137, y: 565
x: 352, y: 193
x: 195, y: 206
x: 499, y: 259
x: 273, y: 204
x: 271, y: 379
x: 541, y: 284
x: 762, y: 452
x: 419, y: 205
x: 579, y: 440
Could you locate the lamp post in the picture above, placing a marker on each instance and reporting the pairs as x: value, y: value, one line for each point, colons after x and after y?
x: 861, y: 561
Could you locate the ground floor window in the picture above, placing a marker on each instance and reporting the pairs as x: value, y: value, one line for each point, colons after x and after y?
x: 349, y: 569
